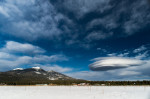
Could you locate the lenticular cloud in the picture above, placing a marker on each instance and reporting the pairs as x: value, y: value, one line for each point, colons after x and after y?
x: 109, y: 63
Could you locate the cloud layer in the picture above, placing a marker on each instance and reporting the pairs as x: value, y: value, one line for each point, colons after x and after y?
x: 130, y: 66
x: 67, y: 26
x: 124, y: 65
x: 127, y: 59
x: 15, y: 47
x: 129, y: 73
x: 109, y: 63
x: 73, y: 22
x: 14, y: 55
x: 31, y: 19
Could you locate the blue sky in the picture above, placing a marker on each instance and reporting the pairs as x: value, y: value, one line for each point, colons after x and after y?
x: 92, y: 40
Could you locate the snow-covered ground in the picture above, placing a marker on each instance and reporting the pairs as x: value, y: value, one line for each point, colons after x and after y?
x: 74, y: 92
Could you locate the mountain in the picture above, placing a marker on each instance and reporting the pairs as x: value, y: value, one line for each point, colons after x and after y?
x: 33, y: 74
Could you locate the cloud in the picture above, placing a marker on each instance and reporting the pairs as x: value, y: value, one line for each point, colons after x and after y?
x: 120, y: 60
x: 125, y: 65
x: 19, y: 61
x: 81, y: 7
x: 131, y: 73
x: 109, y: 63
x: 14, y: 54
x: 48, y: 59
x: 135, y: 15
x: 97, y: 36
x: 3, y: 12
x: 140, y: 53
x: 29, y: 19
x: 139, y: 16
x: 56, y: 68
x: 7, y: 63
x: 102, y: 50
x: 108, y: 22
x: 8, y: 9
x: 87, y: 75
x: 16, y: 47
x: 4, y: 55
x: 140, y: 49
x: 117, y: 19
x: 108, y: 76
x: 79, y: 24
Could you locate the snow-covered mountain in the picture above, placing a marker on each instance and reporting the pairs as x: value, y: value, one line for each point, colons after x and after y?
x: 32, y: 74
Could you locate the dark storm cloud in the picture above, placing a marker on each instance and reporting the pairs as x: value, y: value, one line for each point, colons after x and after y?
x: 102, y: 19
x: 81, y: 7
x: 114, y: 14
x: 31, y: 19
x: 73, y: 22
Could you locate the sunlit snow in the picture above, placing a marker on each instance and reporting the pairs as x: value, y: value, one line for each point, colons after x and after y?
x: 18, y: 69
x: 37, y: 68
x: 74, y: 92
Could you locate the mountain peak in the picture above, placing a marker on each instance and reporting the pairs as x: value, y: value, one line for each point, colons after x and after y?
x: 36, y: 68
x: 18, y: 69
x: 33, y: 74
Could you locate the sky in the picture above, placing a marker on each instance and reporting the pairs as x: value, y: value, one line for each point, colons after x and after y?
x: 86, y: 39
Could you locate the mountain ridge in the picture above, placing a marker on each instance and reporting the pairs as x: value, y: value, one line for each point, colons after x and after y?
x: 32, y: 74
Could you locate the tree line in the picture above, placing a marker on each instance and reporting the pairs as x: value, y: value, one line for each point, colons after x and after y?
x: 76, y: 82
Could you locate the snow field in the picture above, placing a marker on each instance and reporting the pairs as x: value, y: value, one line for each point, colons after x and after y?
x: 74, y: 92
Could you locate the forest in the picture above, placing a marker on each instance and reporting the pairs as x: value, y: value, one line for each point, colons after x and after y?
x: 76, y: 82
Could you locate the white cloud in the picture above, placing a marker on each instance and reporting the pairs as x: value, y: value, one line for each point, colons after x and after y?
x: 131, y: 73
x: 118, y: 66
x: 26, y: 2
x: 142, y: 55
x: 108, y: 63
x: 15, y: 55
x: 142, y: 48
x: 9, y: 10
x: 52, y: 58
x: 101, y: 49
x: 87, y: 75
x: 57, y: 68
x: 13, y: 61
x: 3, y: 12
x: 7, y: 64
x: 16, y: 47
x: 4, y: 55
x: 30, y: 19
x: 125, y: 59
